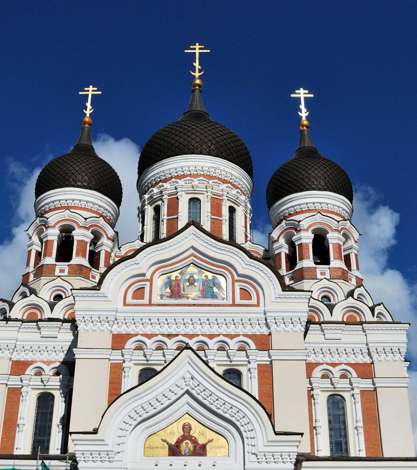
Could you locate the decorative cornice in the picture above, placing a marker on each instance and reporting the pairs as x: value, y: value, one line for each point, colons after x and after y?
x: 184, y: 165
x: 388, y: 353
x: 76, y: 197
x: 209, y: 324
x: 337, y: 353
x: 44, y: 350
x: 310, y: 200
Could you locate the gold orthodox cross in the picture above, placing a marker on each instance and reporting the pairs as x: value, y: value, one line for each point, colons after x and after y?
x: 89, y: 91
x: 197, y: 49
x: 302, y: 95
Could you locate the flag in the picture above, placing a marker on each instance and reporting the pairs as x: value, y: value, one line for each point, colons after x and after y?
x: 44, y: 466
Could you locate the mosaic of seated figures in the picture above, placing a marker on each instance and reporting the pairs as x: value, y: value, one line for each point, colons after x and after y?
x: 191, y: 283
x: 186, y: 438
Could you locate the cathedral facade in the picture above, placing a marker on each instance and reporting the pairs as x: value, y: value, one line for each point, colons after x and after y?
x: 192, y: 346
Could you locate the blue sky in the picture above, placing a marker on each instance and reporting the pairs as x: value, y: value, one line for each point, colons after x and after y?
x: 359, y: 58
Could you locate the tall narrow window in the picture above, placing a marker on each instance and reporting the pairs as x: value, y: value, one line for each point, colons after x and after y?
x: 321, y: 252
x: 336, y: 412
x: 93, y: 254
x: 291, y: 255
x: 142, y: 225
x: 43, y: 423
x: 146, y: 373
x: 194, y: 210
x: 232, y: 224
x: 233, y: 376
x: 65, y: 246
x: 156, y: 226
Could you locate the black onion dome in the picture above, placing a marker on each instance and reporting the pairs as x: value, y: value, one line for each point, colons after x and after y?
x: 81, y: 168
x: 195, y: 133
x: 308, y: 171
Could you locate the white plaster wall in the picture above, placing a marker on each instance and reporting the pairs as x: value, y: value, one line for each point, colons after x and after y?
x: 395, y: 422
x: 290, y: 386
x: 90, y: 394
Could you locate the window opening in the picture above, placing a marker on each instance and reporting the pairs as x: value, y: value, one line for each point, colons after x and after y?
x: 194, y: 210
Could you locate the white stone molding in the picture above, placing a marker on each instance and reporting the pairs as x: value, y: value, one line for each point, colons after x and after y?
x: 55, y: 286
x: 330, y: 288
x: 104, y: 308
x: 310, y: 200
x: 36, y: 341
x: 79, y: 198
x: 28, y: 303
x: 173, y: 343
x: 349, y: 388
x: 337, y: 353
x: 194, y: 165
x: 31, y: 386
x: 186, y: 385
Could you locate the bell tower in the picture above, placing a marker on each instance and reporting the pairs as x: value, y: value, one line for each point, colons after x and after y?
x: 78, y: 196
x: 310, y: 207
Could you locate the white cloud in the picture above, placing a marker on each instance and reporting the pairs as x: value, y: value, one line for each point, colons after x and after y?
x: 121, y: 154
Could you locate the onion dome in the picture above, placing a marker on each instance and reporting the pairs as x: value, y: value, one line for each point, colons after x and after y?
x: 308, y: 170
x: 195, y: 133
x: 81, y: 168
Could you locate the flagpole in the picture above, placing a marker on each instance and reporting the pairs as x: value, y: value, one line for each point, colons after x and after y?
x: 37, y: 458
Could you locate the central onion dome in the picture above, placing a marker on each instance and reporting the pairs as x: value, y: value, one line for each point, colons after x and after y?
x: 195, y: 134
x: 308, y: 171
x: 81, y: 168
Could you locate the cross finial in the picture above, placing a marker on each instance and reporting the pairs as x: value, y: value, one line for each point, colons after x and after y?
x: 89, y: 91
x: 197, y: 49
x: 302, y: 94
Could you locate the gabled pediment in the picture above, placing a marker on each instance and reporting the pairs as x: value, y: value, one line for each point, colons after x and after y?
x: 187, y: 387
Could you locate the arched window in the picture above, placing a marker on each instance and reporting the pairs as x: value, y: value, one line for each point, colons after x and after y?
x: 93, y: 254
x: 321, y: 252
x: 65, y: 246
x: 145, y: 374
x: 291, y: 255
x: 142, y: 225
x: 347, y: 256
x: 38, y: 253
x: 326, y: 299
x: 194, y: 210
x: 57, y: 298
x: 233, y: 376
x: 156, y: 223
x: 43, y: 423
x: 338, y: 438
x: 232, y: 224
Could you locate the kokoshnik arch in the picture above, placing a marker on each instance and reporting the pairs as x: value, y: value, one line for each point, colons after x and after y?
x: 193, y: 346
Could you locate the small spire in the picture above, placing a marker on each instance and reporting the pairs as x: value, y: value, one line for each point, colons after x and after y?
x: 196, y: 105
x: 87, y: 122
x: 305, y: 139
x: 197, y: 49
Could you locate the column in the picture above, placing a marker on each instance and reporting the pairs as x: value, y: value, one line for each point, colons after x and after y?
x: 22, y: 417
x: 253, y: 372
x: 303, y: 243
x: 318, y: 428
x: 336, y: 249
x: 182, y: 210
x: 358, y: 425
x: 104, y: 247
x: 126, y: 368
x: 82, y: 238
x: 49, y: 238
x: 164, y: 211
